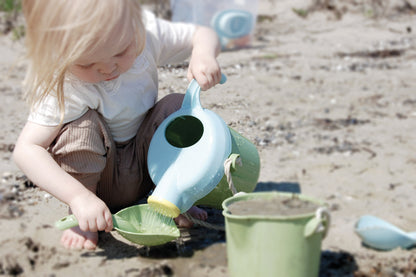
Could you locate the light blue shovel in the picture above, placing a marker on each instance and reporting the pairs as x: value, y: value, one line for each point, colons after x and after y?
x: 382, y: 235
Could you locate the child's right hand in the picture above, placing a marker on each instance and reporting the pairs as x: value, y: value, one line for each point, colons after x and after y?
x: 91, y: 212
x: 31, y: 156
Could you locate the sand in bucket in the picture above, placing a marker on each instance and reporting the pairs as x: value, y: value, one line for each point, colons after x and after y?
x: 274, y: 206
x: 274, y: 234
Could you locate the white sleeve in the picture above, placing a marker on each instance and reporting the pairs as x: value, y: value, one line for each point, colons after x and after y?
x: 173, y: 39
x: 47, y: 112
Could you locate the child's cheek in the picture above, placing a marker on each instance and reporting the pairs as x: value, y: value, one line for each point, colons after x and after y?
x: 87, y: 75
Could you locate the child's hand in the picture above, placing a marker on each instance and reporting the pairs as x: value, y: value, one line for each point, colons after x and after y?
x: 203, y: 66
x: 92, y: 213
x: 205, y: 70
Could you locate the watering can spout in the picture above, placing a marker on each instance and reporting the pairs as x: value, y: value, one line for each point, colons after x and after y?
x: 163, y: 206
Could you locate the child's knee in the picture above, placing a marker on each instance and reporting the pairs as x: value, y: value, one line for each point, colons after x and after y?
x: 82, y: 145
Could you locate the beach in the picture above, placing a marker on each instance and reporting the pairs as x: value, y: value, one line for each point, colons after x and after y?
x: 326, y: 92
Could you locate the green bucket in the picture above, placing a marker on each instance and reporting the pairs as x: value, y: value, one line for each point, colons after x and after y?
x: 245, y: 170
x: 274, y: 245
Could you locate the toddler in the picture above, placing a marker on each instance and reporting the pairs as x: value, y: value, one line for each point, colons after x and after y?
x: 92, y: 85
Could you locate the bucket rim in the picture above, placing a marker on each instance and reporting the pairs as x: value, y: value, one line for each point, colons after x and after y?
x: 265, y: 195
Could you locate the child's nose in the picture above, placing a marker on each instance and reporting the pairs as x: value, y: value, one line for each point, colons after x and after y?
x: 107, y: 68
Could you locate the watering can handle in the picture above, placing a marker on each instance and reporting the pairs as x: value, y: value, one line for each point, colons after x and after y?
x: 191, y: 99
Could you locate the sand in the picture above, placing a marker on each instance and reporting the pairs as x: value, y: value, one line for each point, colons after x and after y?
x: 326, y: 93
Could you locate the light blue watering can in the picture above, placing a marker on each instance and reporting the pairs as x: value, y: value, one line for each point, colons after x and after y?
x: 187, y: 157
x: 232, y: 24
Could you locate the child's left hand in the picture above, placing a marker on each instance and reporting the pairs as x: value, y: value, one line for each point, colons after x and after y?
x: 203, y: 66
x: 205, y: 70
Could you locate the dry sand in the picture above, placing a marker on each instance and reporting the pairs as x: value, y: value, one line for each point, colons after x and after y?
x: 329, y: 100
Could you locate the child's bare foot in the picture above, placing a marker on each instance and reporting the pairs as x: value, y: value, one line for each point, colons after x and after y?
x: 195, y: 212
x: 75, y: 238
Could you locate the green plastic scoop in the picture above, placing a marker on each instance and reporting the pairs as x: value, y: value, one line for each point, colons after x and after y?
x: 139, y: 224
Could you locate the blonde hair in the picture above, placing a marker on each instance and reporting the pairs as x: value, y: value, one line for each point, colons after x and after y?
x: 60, y: 32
